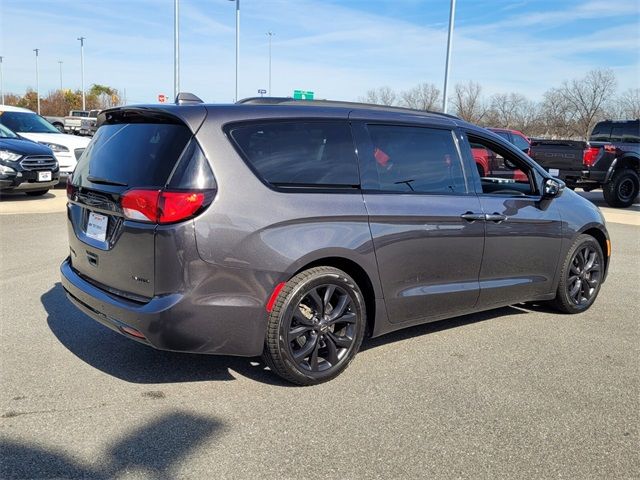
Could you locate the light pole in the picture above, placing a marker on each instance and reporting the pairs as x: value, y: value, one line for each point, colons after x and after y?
x: 1, y: 88
x: 452, y: 14
x: 270, y: 34
x: 82, y: 39
x: 37, y: 80
x: 237, y: 43
x: 176, y: 48
x: 60, y: 63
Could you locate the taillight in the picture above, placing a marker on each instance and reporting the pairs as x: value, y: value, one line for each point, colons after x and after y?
x: 176, y: 206
x: 590, y: 155
x: 141, y: 205
x: 158, y: 206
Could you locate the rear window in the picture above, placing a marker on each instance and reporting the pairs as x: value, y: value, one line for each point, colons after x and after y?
x: 135, y: 154
x: 300, y: 153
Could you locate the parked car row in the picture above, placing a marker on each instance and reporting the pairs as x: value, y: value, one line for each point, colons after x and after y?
x: 78, y: 122
x: 35, y: 155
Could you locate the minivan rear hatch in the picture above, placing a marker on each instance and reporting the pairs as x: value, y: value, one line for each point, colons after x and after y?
x: 139, y: 151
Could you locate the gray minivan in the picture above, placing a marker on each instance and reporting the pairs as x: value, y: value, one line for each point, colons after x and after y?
x: 292, y: 229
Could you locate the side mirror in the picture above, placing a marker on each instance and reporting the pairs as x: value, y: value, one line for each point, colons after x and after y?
x: 552, y: 187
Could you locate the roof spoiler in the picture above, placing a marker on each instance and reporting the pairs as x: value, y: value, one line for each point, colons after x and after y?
x: 186, y: 98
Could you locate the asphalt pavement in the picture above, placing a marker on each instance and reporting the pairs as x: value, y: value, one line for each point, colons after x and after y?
x: 518, y: 392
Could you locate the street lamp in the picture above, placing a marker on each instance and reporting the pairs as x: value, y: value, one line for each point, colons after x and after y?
x: 60, y: 63
x: 82, y: 39
x: 37, y: 80
x: 452, y: 14
x: 270, y: 34
x: 1, y: 89
x: 176, y: 49
x: 238, y: 44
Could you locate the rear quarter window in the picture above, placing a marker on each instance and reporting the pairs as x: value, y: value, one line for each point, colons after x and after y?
x: 299, y: 154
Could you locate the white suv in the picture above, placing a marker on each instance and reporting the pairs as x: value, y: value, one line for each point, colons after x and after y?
x: 66, y: 148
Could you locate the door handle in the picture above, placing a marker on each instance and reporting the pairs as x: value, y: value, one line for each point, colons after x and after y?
x: 472, y: 217
x: 495, y: 217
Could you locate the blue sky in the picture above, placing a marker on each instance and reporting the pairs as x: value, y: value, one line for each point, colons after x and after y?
x: 337, y: 48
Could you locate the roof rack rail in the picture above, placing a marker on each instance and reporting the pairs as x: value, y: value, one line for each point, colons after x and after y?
x: 185, y: 98
x: 334, y: 103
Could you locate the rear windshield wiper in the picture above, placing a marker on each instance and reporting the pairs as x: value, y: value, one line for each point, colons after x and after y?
x: 105, y: 181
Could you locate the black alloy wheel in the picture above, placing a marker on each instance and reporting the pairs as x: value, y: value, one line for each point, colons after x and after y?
x: 321, y: 328
x: 584, y: 275
x: 626, y: 190
x: 316, y: 326
x: 623, y: 188
x: 581, y: 276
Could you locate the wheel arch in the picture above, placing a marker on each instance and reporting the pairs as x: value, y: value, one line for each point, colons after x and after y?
x: 602, y: 238
x: 359, y: 274
x: 630, y: 160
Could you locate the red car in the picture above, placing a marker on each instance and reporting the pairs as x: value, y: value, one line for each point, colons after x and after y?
x: 519, y: 139
x: 490, y: 164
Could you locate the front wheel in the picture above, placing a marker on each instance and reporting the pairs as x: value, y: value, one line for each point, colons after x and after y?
x: 622, y: 190
x: 581, y: 276
x: 316, y: 326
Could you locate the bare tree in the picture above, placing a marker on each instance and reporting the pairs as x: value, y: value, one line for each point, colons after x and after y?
x: 512, y: 110
x: 468, y: 102
x: 558, y: 115
x: 588, y: 98
x: 425, y: 96
x: 628, y: 104
x: 380, y: 96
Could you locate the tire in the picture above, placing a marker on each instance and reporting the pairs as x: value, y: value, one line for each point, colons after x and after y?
x: 622, y: 190
x: 580, y: 270
x: 304, y: 343
x: 37, y: 193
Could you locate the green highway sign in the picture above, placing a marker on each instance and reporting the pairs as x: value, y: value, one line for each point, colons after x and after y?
x: 302, y: 95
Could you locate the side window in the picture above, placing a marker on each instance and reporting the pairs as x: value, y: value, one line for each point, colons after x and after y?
x: 300, y: 153
x: 504, y: 135
x: 631, y: 132
x: 521, y: 143
x: 416, y: 159
x: 501, y: 171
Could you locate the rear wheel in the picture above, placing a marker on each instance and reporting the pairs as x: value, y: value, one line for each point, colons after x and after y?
x: 316, y: 326
x: 36, y: 193
x: 581, y: 276
x: 622, y: 190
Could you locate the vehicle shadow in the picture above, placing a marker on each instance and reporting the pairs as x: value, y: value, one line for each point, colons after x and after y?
x: 157, y: 448
x: 132, y: 362
x: 433, y: 327
x: 127, y: 360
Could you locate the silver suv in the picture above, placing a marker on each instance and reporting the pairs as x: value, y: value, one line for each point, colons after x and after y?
x: 293, y: 229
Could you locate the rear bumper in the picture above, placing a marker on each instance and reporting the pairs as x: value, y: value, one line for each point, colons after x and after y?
x: 172, y: 322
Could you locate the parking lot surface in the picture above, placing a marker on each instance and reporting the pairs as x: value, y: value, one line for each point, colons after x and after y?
x: 518, y: 392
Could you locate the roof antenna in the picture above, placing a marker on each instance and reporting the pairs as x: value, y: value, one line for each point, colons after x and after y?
x: 185, y: 98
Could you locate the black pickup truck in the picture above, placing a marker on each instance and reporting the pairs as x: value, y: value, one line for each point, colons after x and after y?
x: 609, y: 160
